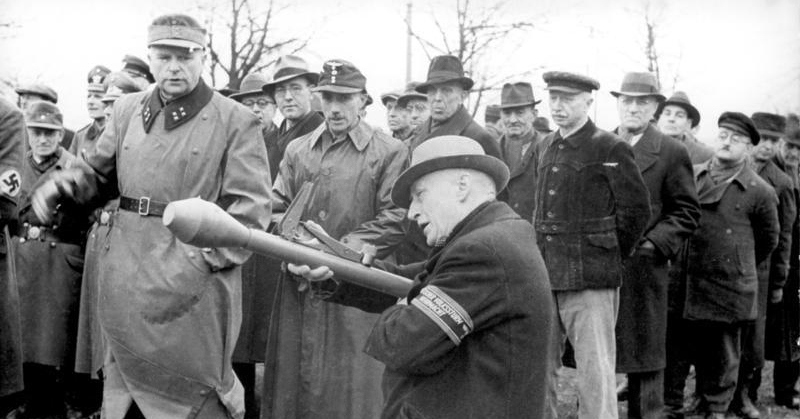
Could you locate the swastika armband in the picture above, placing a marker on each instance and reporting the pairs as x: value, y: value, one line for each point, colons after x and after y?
x: 445, y: 312
x: 10, y: 183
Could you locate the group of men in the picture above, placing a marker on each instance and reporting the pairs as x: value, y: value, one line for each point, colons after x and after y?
x: 644, y: 250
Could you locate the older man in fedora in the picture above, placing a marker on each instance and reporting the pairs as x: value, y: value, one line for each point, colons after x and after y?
x: 667, y: 172
x: 470, y: 339
x: 591, y: 209
x: 169, y: 313
x: 320, y: 369
x: 678, y: 118
x: 518, y: 111
x: 416, y: 104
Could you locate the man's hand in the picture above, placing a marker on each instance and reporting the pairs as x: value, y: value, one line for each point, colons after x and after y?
x: 776, y: 296
x: 43, y: 201
x: 321, y: 273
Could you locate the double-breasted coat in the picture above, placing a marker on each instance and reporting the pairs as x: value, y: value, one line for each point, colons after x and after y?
x: 471, y: 340
x: 642, y: 319
x: 735, y: 233
x: 170, y: 312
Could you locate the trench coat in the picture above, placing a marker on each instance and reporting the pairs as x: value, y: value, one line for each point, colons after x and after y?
x: 521, y: 186
x: 592, y: 207
x: 642, y: 319
x: 320, y: 369
x: 170, y: 312
x: 735, y: 234
x: 782, y: 336
x: 490, y: 357
x: 12, y: 139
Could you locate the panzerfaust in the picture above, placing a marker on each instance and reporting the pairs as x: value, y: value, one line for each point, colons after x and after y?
x: 203, y: 224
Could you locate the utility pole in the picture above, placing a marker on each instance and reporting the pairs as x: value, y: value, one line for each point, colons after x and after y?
x: 408, y: 43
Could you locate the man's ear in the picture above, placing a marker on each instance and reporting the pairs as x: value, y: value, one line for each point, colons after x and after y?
x: 463, y: 185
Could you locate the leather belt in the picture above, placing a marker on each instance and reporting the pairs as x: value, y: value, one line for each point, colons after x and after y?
x: 143, y: 206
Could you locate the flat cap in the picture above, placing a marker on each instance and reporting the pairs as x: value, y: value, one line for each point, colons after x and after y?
x: 739, y: 123
x: 769, y: 123
x: 46, y: 92
x: 563, y: 81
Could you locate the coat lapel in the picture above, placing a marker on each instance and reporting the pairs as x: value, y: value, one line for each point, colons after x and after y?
x: 647, y: 149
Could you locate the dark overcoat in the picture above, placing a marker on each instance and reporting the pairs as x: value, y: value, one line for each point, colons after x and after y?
x: 642, y: 319
x: 735, y: 234
x: 472, y: 338
x: 782, y: 341
x: 520, y: 191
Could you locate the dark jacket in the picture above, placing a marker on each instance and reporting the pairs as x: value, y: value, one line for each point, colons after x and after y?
x: 278, y: 139
x: 591, y: 208
x: 472, y: 339
x: 642, y: 320
x: 522, y: 183
x: 735, y: 234
x: 698, y: 152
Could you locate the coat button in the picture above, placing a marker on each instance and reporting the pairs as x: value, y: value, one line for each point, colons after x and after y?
x: 548, y: 238
x: 555, y: 169
x: 52, y: 245
x: 204, y: 116
x: 191, y: 254
x: 561, y: 146
x: 203, y: 392
x: 551, y: 192
x: 554, y: 228
x: 728, y: 231
x: 550, y: 215
x: 323, y: 215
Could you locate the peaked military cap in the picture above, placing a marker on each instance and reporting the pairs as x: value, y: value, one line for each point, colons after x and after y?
x: 137, y: 67
x: 410, y: 93
x: 639, y: 84
x: 119, y: 83
x: 443, y: 69
x: 562, y: 81
x: 681, y: 99
x: 176, y: 30
x: 739, y: 123
x: 290, y: 67
x: 46, y: 92
x: 769, y: 123
x: 516, y: 95
x: 43, y: 114
x: 252, y: 84
x: 340, y: 76
x: 97, y: 77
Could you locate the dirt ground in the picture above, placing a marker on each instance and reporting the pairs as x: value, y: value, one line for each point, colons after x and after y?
x: 567, y: 397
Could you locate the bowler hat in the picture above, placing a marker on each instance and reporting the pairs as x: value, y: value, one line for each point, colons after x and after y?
x: 680, y: 99
x: 516, y: 95
x: 43, y: 114
x: 769, y: 123
x: 46, y: 92
x: 639, y: 84
x: 410, y: 94
x: 739, y: 123
x: 138, y: 67
x: 447, y: 152
x: 492, y: 113
x: 176, y: 30
x: 563, y: 81
x: 119, y: 83
x: 542, y: 124
x: 252, y: 84
x: 445, y: 68
x: 96, y: 78
x: 290, y: 67
x: 340, y: 76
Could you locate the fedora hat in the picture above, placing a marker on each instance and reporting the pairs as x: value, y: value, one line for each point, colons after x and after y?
x: 290, y: 67
x: 447, y: 152
x: 516, y: 95
x: 680, y: 99
x: 251, y: 85
x: 445, y: 68
x: 639, y: 84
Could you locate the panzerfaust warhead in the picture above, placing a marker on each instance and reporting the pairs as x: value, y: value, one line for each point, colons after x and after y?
x: 201, y: 223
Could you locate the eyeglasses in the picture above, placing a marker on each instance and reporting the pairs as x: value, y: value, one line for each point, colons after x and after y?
x: 294, y: 90
x: 733, y: 136
x: 262, y: 103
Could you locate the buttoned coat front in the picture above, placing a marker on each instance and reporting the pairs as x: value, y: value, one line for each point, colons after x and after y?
x: 521, y: 188
x: 642, y: 319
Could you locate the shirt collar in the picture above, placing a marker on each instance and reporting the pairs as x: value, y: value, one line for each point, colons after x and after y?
x: 359, y: 135
x: 180, y: 110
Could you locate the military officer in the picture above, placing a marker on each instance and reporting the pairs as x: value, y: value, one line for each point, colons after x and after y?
x: 94, y: 104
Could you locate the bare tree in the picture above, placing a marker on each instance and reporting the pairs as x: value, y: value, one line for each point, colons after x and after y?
x: 242, y: 38
x: 658, y: 62
x: 479, y: 28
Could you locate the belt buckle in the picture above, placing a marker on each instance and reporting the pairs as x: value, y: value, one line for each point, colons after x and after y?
x: 144, y: 206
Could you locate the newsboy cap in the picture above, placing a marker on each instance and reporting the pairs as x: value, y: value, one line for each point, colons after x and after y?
x: 639, y: 84
x: 443, y: 69
x: 739, y: 123
x: 46, y: 92
x: 97, y: 77
x: 680, y: 99
x: 562, y: 81
x: 447, y: 152
x: 769, y: 123
x: 340, y: 76
x: 43, y: 114
x: 137, y: 67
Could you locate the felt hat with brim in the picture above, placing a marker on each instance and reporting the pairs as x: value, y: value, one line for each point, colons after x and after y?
x: 769, y: 123
x: 410, y: 93
x: 680, y: 99
x: 638, y: 85
x: 287, y: 68
x: 516, y: 95
x: 340, y: 76
x: 43, y: 114
x: 447, y: 152
x: 563, y: 81
x: 741, y: 124
x: 226, y: 91
x: 46, y: 92
x: 137, y: 66
x: 252, y: 84
x: 443, y: 69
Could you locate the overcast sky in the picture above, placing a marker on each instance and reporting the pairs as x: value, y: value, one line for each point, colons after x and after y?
x: 728, y: 55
